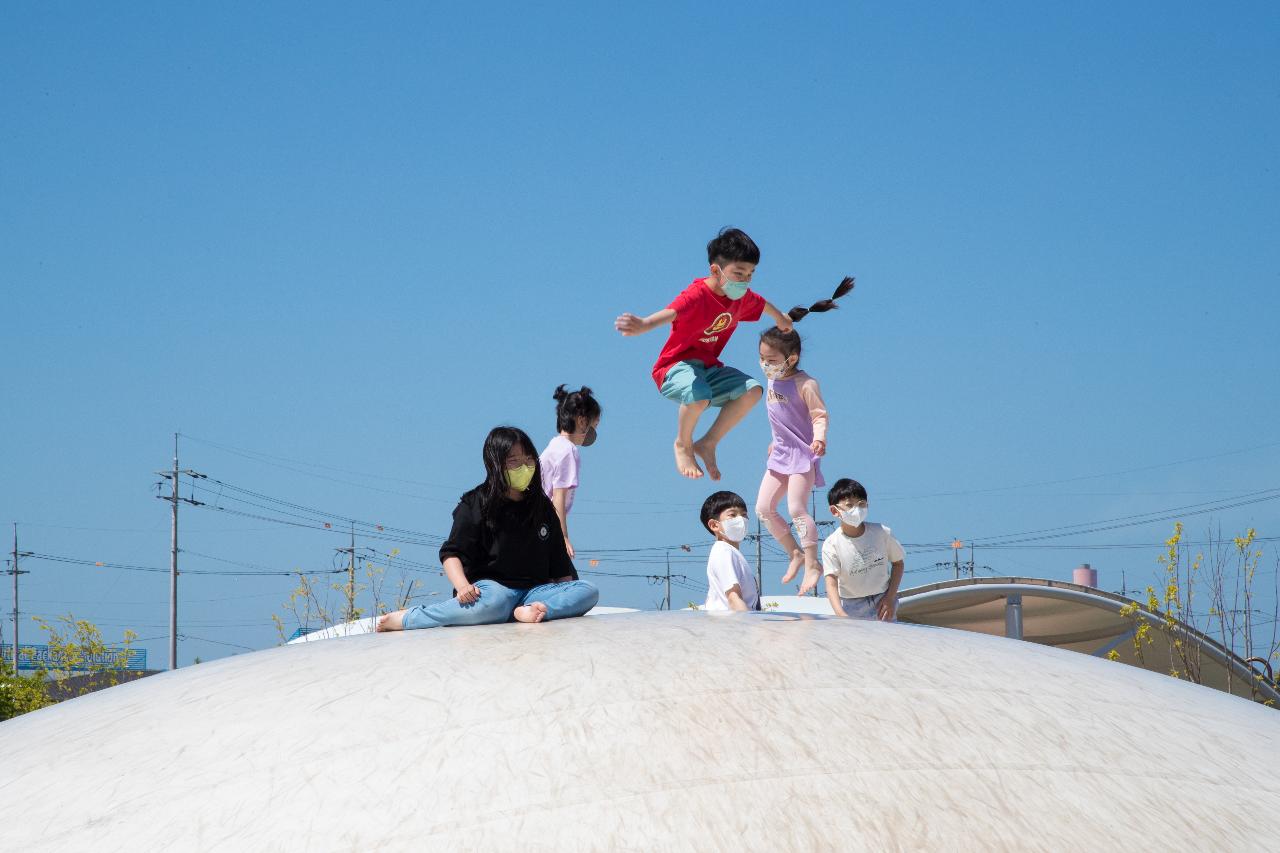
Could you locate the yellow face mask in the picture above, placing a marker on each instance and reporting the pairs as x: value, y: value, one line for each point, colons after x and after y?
x: 519, y: 478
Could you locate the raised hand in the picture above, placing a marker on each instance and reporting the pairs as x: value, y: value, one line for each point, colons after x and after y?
x: 629, y: 324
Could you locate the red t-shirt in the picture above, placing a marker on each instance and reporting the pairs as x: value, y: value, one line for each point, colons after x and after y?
x: 703, y: 324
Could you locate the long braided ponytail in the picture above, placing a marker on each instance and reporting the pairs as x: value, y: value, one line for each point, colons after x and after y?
x: 799, y: 312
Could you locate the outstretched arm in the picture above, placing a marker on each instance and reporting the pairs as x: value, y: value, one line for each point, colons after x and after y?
x: 782, y: 321
x: 630, y: 324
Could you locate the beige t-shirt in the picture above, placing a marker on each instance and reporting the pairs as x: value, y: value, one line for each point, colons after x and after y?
x: 861, y: 564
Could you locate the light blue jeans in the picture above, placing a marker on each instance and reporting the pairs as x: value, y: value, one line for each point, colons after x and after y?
x: 864, y: 608
x: 497, y: 603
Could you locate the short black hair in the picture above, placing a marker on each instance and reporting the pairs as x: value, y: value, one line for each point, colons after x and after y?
x: 844, y: 489
x: 732, y: 245
x: 717, y: 503
x: 571, y: 405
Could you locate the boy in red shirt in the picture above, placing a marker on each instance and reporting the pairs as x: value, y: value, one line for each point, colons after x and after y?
x: 689, y: 369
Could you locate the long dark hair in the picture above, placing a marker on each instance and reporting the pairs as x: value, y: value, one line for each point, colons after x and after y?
x: 799, y: 312
x: 571, y: 405
x: 493, y: 491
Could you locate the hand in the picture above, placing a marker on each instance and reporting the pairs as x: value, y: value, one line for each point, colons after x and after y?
x: 819, y: 447
x: 630, y: 324
x: 468, y: 594
x: 886, y: 609
x: 568, y: 547
x: 784, y: 323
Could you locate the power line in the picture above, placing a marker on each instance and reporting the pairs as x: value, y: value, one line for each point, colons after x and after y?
x: 1081, y: 528
x: 262, y: 457
x: 129, y: 567
x: 1189, y: 460
x: 216, y: 642
x: 1164, y: 515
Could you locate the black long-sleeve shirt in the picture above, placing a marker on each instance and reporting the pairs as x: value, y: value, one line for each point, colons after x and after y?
x: 521, y: 548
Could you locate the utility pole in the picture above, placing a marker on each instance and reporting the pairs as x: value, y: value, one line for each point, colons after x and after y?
x: 666, y: 601
x: 351, y: 574
x: 956, y: 545
x: 15, y: 571
x: 759, y: 566
x: 972, y: 566
x: 172, y: 475
x: 173, y: 565
x: 351, y: 577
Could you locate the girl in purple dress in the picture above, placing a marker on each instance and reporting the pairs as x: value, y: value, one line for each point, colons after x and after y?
x: 798, y: 419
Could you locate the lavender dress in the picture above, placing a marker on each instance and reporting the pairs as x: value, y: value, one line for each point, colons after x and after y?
x: 792, y: 425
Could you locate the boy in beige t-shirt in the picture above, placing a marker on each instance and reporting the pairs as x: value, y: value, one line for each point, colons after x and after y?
x: 862, y: 561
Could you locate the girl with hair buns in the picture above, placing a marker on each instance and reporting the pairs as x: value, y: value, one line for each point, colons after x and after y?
x: 577, y: 416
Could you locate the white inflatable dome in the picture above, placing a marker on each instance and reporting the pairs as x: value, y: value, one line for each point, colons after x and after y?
x: 646, y: 731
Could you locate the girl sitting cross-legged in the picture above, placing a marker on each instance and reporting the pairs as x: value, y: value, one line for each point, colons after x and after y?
x: 506, y: 554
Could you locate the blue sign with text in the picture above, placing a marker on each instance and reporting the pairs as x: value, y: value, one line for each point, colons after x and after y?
x: 38, y: 657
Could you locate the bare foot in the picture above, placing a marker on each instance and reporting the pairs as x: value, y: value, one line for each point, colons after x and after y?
x: 390, y: 622
x: 812, y: 573
x: 535, y: 612
x: 797, y: 560
x: 686, y: 464
x: 706, y: 450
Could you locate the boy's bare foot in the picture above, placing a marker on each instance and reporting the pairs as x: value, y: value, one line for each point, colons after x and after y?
x: 707, y: 451
x: 390, y: 622
x: 812, y: 574
x: 535, y: 612
x: 793, y: 568
x: 686, y: 464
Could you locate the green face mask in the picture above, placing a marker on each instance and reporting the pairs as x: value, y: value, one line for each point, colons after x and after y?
x: 735, y: 290
x: 519, y: 478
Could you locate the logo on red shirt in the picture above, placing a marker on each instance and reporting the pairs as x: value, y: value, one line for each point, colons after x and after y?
x: 719, y: 324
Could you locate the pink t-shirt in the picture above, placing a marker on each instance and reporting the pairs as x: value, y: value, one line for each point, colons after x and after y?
x: 560, y: 468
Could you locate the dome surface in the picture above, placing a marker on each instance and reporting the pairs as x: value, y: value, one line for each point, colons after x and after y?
x: 679, y: 730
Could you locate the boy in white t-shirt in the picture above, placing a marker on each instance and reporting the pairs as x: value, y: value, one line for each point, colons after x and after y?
x: 862, y: 561
x: 731, y: 585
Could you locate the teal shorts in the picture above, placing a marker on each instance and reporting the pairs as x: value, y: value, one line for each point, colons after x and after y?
x: 689, y: 382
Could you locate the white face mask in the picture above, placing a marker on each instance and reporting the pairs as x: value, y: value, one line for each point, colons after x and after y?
x: 773, y: 371
x: 853, y: 517
x: 734, y: 529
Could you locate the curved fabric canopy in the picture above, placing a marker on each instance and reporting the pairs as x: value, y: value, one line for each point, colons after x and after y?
x: 1081, y: 619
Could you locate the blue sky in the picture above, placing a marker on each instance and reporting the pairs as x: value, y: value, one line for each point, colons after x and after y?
x: 359, y: 238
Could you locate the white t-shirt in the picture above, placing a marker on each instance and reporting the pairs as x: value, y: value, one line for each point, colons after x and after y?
x: 559, y: 464
x: 861, y: 564
x: 725, y: 567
